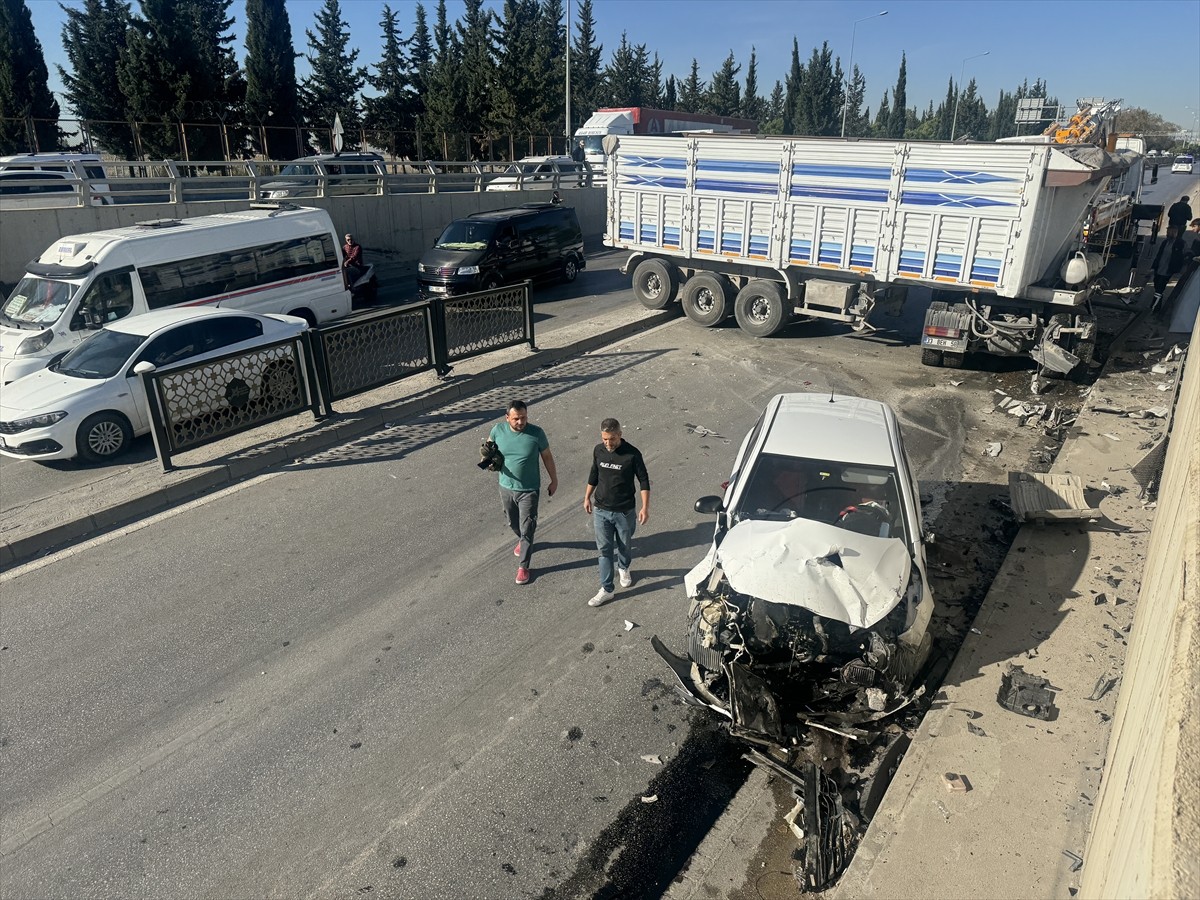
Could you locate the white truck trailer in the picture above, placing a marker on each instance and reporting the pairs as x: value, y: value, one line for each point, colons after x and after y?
x: 766, y: 228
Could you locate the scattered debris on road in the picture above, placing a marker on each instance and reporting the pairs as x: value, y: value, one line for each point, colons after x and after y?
x: 956, y: 783
x: 1026, y: 695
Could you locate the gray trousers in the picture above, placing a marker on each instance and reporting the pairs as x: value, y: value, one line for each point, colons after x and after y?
x: 521, y: 508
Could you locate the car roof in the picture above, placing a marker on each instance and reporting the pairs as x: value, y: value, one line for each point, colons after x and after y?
x: 342, y: 157
x: 542, y: 159
x: 34, y: 158
x: 513, y: 212
x: 148, y: 323
x: 831, y: 427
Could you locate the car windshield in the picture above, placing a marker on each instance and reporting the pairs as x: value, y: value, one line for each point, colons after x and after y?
x: 859, y: 498
x: 38, y: 301
x: 521, y: 169
x: 100, y: 356
x: 299, y: 169
x: 466, y: 235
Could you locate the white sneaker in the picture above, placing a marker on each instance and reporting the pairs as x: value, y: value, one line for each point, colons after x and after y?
x: 602, y: 597
x: 624, y: 578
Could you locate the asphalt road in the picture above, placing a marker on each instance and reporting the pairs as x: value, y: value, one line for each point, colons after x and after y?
x: 324, y: 682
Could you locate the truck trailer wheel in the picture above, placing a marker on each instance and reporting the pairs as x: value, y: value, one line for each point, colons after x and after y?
x: 705, y: 298
x: 760, y: 308
x: 931, y: 357
x: 655, y: 283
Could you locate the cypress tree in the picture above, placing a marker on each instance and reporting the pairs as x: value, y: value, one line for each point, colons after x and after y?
x: 271, y: 94
x: 586, y: 56
x: 898, y: 117
x: 24, y: 85
x: 94, y: 38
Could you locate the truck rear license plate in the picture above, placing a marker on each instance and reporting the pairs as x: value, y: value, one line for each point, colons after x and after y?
x: 940, y: 342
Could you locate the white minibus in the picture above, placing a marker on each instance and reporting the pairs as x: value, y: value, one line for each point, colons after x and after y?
x: 266, y: 260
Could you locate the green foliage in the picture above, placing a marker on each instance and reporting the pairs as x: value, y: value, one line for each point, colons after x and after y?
x: 752, y: 104
x: 335, y: 83
x: 477, y: 81
x: 94, y: 38
x: 724, y: 96
x: 898, y: 117
x: 271, y: 92
x: 586, y: 54
x: 24, y: 90
x: 392, y: 112
x: 630, y: 79
x: 691, y: 92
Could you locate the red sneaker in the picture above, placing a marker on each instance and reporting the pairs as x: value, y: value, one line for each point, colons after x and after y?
x: 517, y: 549
x: 522, y: 575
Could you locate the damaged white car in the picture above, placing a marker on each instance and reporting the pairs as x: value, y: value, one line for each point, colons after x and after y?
x: 812, y: 605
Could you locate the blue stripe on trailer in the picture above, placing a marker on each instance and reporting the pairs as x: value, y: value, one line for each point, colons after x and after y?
x: 734, y: 165
x: 949, y: 264
x: 706, y: 239
x: 950, y: 176
x: 842, y: 171
x: 912, y: 261
x: 736, y: 187
x: 651, y: 162
x: 668, y: 182
x: 830, y: 252
x: 670, y: 235
x: 865, y: 195
x: 920, y: 198
x: 648, y: 234
x: 862, y: 255
x: 800, y: 249
x: 758, y: 244
x: 731, y: 242
x: 627, y: 231
x: 985, y: 269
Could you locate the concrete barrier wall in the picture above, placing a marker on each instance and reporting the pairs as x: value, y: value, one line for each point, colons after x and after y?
x: 1145, y: 838
x: 402, y: 226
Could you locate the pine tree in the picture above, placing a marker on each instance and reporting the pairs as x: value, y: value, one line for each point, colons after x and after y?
x: 271, y: 94
x: 858, y: 120
x: 391, y: 112
x: 478, y: 70
x: 691, y: 92
x: 546, y: 111
x: 752, y: 104
x: 818, y: 102
x: 671, y: 94
x: 420, y: 54
x: 586, y: 56
x: 443, y: 98
x: 945, y: 114
x: 882, y: 116
x: 773, y: 123
x: 724, y: 95
x: 335, y: 83
x: 94, y: 38
x: 24, y: 85
x: 518, y: 82
x: 627, y: 78
x: 793, y: 85
x: 898, y: 117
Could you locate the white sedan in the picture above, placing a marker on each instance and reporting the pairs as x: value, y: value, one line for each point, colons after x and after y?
x: 812, y: 604
x: 91, y: 403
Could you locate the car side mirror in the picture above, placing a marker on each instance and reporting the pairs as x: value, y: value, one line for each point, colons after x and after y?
x: 709, y: 505
x: 143, y: 367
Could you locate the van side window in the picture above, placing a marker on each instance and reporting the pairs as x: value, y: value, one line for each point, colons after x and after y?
x: 214, y: 274
x: 110, y: 297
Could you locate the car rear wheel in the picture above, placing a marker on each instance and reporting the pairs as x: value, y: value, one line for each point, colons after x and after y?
x: 655, y: 283
x: 102, y: 436
x: 570, y: 269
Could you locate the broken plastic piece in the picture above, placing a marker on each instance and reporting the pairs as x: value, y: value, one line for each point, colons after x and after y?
x: 993, y: 450
x: 1026, y: 694
x: 1076, y: 860
x: 1104, y: 684
x: 629, y: 626
x: 653, y: 758
x: 653, y: 798
x: 955, y: 783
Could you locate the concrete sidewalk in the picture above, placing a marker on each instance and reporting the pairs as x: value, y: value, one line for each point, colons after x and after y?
x: 1060, y: 607
x: 119, y: 494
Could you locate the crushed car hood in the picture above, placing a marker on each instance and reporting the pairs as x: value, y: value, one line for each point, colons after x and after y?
x: 835, y: 573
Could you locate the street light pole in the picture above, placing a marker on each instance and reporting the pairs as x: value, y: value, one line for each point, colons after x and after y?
x: 567, y: 127
x: 958, y: 94
x: 850, y: 71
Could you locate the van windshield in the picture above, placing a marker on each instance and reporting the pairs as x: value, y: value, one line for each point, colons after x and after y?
x: 466, y: 235
x: 38, y: 301
x: 299, y: 169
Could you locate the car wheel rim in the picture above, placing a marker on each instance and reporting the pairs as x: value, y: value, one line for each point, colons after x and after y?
x: 105, y: 438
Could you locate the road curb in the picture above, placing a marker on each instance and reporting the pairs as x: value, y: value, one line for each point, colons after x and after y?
x: 293, y: 447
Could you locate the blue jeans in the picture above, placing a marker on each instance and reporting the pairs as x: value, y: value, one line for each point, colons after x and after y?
x: 614, y: 531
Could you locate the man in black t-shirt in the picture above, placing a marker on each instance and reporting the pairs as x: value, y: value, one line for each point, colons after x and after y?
x: 609, y: 499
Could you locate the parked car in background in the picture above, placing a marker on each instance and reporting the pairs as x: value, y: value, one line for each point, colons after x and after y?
x: 488, y: 249
x: 1183, y: 165
x: 339, y: 174
x: 813, y: 602
x: 51, y: 180
x: 91, y: 403
x: 540, y: 173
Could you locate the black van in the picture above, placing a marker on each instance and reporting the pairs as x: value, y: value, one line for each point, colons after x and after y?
x: 488, y: 249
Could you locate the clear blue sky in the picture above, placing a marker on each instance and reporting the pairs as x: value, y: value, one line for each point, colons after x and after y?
x: 1147, y: 53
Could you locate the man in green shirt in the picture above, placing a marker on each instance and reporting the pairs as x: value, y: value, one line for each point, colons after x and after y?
x: 523, y: 445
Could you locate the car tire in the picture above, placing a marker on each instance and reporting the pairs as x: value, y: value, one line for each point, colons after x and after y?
x: 655, y: 283
x: 570, y: 269
x: 760, y: 308
x: 103, y: 436
x: 492, y: 282
x: 953, y: 359
x: 705, y: 299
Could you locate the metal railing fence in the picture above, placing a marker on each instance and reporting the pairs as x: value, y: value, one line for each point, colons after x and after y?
x: 194, y: 404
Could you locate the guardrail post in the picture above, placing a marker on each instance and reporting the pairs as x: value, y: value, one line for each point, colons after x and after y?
x: 158, y: 423
x: 440, y: 352
x: 320, y: 368
x: 527, y: 301
x: 312, y: 382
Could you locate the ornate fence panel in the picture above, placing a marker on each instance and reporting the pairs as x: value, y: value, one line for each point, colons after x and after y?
x: 198, y: 403
x: 490, y: 320
x: 373, y: 350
